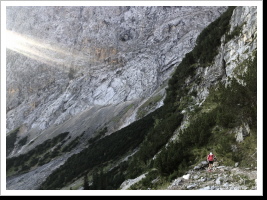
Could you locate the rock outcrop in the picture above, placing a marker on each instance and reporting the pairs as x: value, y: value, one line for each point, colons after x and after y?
x: 220, y: 178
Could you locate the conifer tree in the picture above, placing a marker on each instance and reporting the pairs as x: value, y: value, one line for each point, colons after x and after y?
x: 85, y: 183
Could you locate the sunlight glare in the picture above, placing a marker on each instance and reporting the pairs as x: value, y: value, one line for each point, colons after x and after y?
x: 39, y: 51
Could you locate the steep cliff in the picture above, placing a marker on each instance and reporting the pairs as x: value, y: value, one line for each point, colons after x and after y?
x: 65, y: 65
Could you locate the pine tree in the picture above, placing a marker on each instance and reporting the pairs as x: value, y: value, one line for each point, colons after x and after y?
x: 85, y: 183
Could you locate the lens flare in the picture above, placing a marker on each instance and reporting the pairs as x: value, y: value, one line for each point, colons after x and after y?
x: 41, y: 51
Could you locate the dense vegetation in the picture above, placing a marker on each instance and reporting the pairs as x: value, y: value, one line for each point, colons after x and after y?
x: 202, y: 55
x: 10, y: 140
x: 100, y: 153
x: 38, y: 156
x: 232, y: 106
x: 210, y: 38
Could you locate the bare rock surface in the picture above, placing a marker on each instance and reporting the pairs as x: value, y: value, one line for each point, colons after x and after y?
x: 65, y: 60
x: 219, y: 178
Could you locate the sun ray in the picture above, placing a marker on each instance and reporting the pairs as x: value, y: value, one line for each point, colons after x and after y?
x: 42, y: 52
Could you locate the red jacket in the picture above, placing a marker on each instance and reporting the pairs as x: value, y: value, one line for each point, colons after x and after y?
x: 210, y: 157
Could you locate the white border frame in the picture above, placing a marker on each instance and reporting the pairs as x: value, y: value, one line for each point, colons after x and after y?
x: 258, y: 192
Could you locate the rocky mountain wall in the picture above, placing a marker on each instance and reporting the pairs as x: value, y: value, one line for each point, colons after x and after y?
x: 63, y: 61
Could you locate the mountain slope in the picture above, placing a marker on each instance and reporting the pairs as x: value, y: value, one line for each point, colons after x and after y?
x: 194, y: 119
x: 63, y: 79
x: 70, y: 61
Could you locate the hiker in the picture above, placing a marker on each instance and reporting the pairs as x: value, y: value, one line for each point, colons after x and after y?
x: 210, y: 159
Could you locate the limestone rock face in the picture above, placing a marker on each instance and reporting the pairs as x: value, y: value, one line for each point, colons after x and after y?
x: 62, y: 61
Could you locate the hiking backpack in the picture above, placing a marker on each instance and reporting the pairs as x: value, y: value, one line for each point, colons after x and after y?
x: 210, y: 157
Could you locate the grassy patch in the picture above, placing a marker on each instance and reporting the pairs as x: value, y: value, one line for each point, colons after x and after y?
x: 149, y: 105
x: 124, y: 111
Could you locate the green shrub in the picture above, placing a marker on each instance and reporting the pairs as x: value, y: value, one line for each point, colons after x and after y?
x: 23, y: 141
x: 10, y: 140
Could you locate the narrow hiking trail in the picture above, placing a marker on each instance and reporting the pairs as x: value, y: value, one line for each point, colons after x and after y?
x: 220, y: 178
